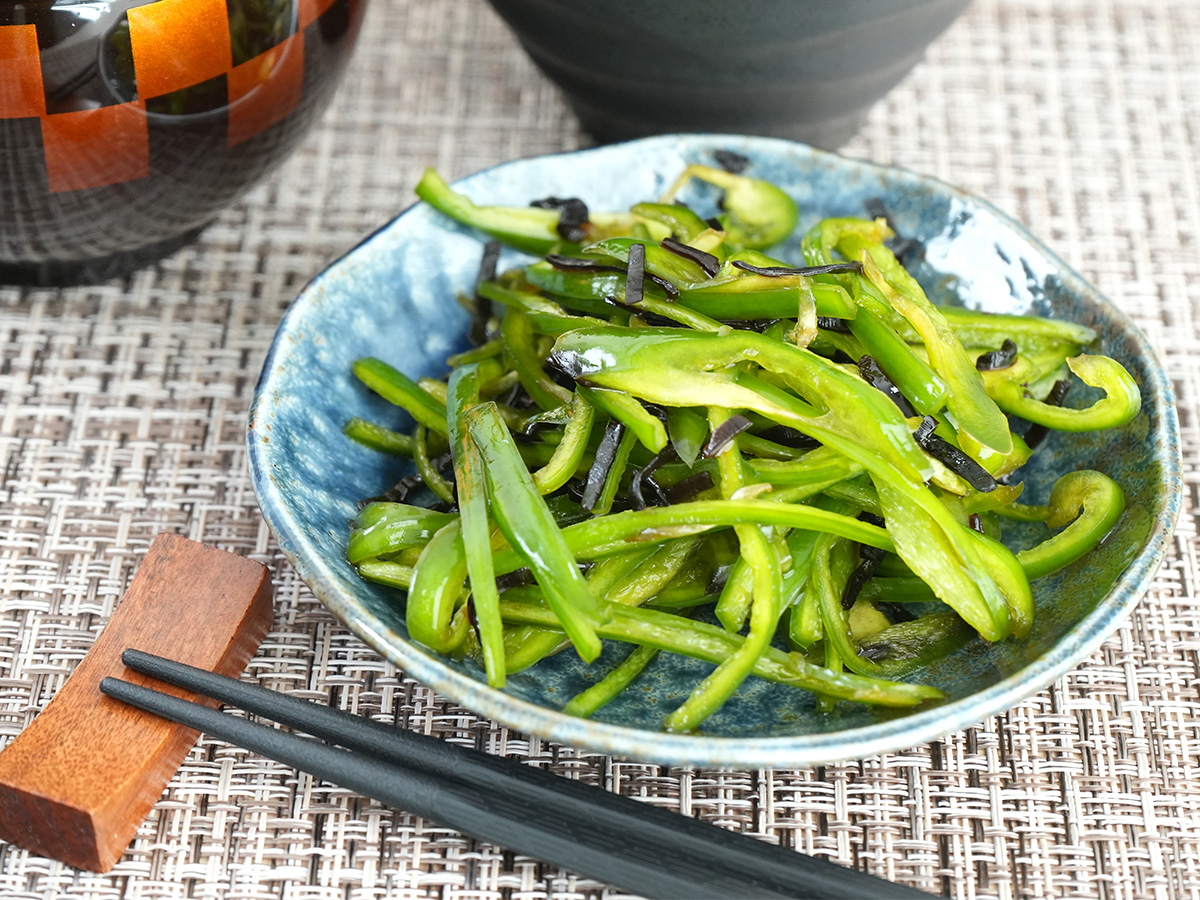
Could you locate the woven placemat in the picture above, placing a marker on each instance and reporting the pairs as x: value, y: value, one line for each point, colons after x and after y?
x: 124, y: 411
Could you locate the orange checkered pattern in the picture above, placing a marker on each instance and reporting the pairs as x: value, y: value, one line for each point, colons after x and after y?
x: 176, y: 44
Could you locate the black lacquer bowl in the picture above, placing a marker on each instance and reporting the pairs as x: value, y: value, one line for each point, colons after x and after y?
x: 126, y: 126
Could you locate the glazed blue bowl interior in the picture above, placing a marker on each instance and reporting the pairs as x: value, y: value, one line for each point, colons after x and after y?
x: 394, y: 297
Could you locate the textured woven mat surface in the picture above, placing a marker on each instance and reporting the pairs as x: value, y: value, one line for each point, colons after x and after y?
x: 123, y: 410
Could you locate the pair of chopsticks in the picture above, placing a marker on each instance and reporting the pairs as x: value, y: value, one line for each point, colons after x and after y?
x: 614, y: 839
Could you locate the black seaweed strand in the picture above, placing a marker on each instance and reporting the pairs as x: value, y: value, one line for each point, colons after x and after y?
x: 731, y: 161
x: 605, y: 455
x: 998, y: 359
x: 575, y: 264
x: 832, y: 323
x: 722, y: 437
x: 572, y: 216
x: 807, y: 271
x: 706, y: 261
x: 952, y: 457
x: 635, y: 275
x: 877, y: 378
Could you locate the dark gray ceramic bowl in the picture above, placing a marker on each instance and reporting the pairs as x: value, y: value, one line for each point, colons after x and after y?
x: 393, y: 297
x: 791, y: 68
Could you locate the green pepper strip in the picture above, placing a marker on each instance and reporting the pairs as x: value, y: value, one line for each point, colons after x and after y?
x: 688, y: 431
x: 681, y: 314
x: 733, y: 603
x: 376, y: 437
x: 1121, y: 403
x: 745, y: 584
x: 383, y: 528
x: 605, y: 535
x: 1092, y: 502
x: 973, y: 409
x: 471, y: 480
x: 616, y: 472
x: 396, y: 387
x: 711, y: 693
x: 804, y: 623
x: 675, y: 634
x: 425, y: 468
x: 528, y: 644
x: 685, y: 368
x: 648, y: 428
x: 529, y: 526
x: 489, y: 350
x: 757, y: 214
x: 827, y: 581
x: 518, y: 345
x: 653, y: 573
x: 660, y: 262
x: 821, y: 466
x: 585, y: 703
x: 679, y: 220
x: 919, y: 384
x: 437, y: 584
x: 544, y: 316
x: 530, y: 229
x: 981, y: 329
x: 678, y: 367
x: 585, y: 291
x: 569, y: 453
x: 1009, y: 574
x: 392, y: 574
x: 876, y: 330
x: 917, y: 643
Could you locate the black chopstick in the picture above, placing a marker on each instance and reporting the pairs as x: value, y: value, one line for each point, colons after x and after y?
x: 644, y: 848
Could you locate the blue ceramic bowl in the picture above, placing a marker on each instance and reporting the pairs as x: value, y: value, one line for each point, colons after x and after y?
x: 806, y: 70
x: 393, y: 297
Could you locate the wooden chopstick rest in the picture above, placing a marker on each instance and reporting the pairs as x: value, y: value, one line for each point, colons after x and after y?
x: 78, y: 781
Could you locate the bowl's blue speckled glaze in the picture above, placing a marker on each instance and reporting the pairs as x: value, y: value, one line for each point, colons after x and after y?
x: 393, y: 297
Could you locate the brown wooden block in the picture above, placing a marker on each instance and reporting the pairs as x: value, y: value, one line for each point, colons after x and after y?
x: 78, y: 781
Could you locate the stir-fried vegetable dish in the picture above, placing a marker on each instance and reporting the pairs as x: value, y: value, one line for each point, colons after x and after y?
x: 665, y: 437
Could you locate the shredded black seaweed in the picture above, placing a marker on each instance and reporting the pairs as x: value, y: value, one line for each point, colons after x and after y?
x: 515, y: 578
x: 649, y: 318
x: 645, y: 475
x: 925, y: 429
x: 672, y: 291
x: 575, y: 264
x: 877, y: 378
x: 998, y: 359
x: 789, y: 437
x: 605, y: 454
x: 687, y: 488
x: 731, y: 161
x: 572, y: 216
x: 808, y: 271
x: 635, y: 274
x: 759, y: 325
x: 952, y: 457
x: 714, y: 223
x: 832, y: 323
x: 896, y: 612
x: 481, y: 310
x: 706, y: 261
x: 723, y: 435
x: 863, y: 573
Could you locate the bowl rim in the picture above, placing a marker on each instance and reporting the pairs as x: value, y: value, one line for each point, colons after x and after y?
x: 741, y: 752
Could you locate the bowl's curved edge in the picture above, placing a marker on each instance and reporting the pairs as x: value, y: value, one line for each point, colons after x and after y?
x: 703, y: 750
